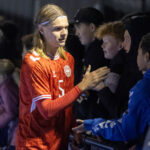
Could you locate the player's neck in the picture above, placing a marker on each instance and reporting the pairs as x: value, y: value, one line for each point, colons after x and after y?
x: 52, y: 51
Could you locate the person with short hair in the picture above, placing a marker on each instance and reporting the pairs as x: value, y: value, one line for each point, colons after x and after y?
x: 86, y: 21
x: 112, y: 35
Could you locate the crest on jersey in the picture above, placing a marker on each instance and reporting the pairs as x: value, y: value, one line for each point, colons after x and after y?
x: 67, y: 71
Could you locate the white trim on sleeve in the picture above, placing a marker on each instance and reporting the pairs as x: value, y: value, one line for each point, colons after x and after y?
x: 33, y: 105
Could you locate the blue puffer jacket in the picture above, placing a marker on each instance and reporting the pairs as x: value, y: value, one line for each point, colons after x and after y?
x: 133, y: 122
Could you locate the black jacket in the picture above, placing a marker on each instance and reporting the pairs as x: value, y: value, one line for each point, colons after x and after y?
x: 89, y: 108
x: 107, y: 98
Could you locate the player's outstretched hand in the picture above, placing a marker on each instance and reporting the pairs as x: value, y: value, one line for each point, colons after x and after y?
x: 91, y: 79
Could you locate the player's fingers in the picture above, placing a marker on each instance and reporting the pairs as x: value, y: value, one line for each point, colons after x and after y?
x: 88, y: 70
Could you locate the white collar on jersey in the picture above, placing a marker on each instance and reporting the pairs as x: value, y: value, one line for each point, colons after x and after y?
x: 35, y: 53
x: 49, y: 55
x: 53, y: 57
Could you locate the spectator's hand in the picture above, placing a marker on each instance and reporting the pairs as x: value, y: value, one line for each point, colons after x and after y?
x: 91, y: 79
x: 80, y: 128
x: 99, y: 87
x: 112, y: 81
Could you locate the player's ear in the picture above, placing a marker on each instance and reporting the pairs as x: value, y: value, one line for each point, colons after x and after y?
x: 40, y: 28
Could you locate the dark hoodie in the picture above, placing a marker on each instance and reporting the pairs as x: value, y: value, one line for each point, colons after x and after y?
x: 137, y: 26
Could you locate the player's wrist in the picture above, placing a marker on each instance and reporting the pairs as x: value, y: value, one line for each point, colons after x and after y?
x: 82, y: 86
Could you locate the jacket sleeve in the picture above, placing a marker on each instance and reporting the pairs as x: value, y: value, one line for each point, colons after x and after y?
x: 130, y: 126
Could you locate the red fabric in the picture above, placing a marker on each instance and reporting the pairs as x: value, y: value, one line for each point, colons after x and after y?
x: 49, y: 108
x: 45, y: 110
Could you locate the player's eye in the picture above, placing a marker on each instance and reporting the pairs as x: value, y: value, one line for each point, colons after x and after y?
x: 57, y: 28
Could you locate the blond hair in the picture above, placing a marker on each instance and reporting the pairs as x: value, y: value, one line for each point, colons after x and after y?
x: 48, y: 13
x: 115, y: 29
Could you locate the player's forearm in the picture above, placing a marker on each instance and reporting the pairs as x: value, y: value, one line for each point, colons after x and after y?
x: 49, y: 108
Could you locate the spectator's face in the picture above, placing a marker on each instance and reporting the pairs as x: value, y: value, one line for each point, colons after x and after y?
x: 85, y: 33
x: 110, y: 46
x: 127, y: 41
x: 55, y: 34
x: 142, y: 60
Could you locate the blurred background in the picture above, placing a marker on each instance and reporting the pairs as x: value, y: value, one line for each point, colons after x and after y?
x: 23, y: 11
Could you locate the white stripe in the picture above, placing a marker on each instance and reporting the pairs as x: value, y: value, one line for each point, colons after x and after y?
x: 44, y: 97
x: 35, y: 53
x: 41, y: 97
x: 34, y: 59
x: 33, y: 105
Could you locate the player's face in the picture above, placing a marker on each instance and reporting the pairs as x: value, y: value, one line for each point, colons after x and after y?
x: 142, y: 60
x: 110, y: 46
x: 127, y: 41
x: 55, y: 34
x: 84, y: 33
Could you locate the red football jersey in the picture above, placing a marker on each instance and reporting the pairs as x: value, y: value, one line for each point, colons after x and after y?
x: 42, y: 79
